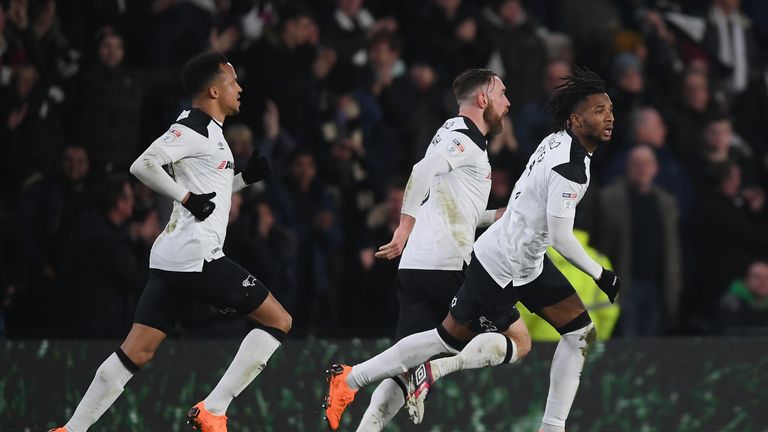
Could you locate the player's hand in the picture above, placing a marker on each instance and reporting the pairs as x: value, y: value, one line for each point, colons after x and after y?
x: 609, y: 283
x: 394, y: 248
x: 258, y: 168
x: 200, y: 206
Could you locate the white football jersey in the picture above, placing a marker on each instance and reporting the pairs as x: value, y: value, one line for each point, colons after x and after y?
x: 554, y: 181
x: 445, y: 225
x: 202, y: 163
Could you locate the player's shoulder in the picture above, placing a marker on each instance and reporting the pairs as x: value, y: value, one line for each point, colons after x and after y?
x: 195, y: 120
x: 463, y: 132
x: 567, y: 156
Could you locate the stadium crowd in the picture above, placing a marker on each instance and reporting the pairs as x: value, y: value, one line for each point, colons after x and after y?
x: 344, y: 96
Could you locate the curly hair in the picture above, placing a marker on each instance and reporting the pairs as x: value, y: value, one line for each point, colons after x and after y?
x: 577, y: 87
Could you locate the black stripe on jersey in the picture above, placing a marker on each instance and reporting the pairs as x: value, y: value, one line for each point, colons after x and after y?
x: 473, y: 133
x: 574, y: 170
x: 197, y: 120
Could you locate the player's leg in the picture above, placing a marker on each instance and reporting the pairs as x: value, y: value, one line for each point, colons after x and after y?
x: 229, y: 287
x: 484, y: 350
x: 553, y: 298
x: 156, y: 313
x: 344, y: 381
x: 482, y: 308
x: 424, y: 297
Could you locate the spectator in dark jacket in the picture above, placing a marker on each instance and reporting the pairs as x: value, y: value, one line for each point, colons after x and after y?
x: 520, y: 48
x: 730, y: 233
x: 305, y: 207
x: 108, y: 277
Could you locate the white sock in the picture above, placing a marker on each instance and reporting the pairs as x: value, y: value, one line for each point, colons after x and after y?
x: 409, y: 352
x: 386, y: 401
x: 251, y: 358
x: 105, y: 388
x: 564, y: 376
x: 486, y: 349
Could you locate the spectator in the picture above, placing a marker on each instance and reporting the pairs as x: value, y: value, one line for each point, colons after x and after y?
x: 691, y: 113
x: 306, y: 208
x: 347, y: 33
x: 722, y: 144
x: 28, y: 138
x: 638, y: 230
x: 514, y: 36
x: 532, y: 122
x: 744, y: 308
x: 730, y: 40
x: 240, y: 140
x: 286, y: 68
x: 106, y: 108
x: 49, y: 213
x: 646, y: 127
x: 453, y: 42
x: 730, y: 235
x: 393, y: 92
x: 372, y: 280
x: 109, y: 277
x: 276, y: 143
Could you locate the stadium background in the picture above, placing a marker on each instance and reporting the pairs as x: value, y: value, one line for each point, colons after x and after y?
x: 344, y: 96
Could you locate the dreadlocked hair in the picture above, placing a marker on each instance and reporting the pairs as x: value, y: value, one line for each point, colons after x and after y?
x: 577, y: 87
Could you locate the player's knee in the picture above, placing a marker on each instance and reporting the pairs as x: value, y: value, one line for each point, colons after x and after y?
x: 142, y: 356
x: 285, y: 322
x: 523, y: 343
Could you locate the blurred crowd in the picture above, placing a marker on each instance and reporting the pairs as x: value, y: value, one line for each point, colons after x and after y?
x: 344, y: 96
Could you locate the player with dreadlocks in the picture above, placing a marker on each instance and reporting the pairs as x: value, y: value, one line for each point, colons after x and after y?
x: 509, y: 264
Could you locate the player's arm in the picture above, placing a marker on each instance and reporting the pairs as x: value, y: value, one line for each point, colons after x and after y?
x: 416, y: 193
x: 258, y: 169
x: 149, y: 169
x: 488, y: 217
x: 565, y: 243
x: 565, y: 188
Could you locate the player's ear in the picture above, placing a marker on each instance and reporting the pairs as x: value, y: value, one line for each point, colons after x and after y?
x: 576, y: 120
x: 213, y: 92
x: 482, y: 99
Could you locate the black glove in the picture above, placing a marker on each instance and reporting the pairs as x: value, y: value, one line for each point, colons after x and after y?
x: 609, y: 283
x: 258, y: 168
x: 200, y: 206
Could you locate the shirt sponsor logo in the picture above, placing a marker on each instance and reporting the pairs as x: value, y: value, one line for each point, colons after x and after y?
x: 456, y: 147
x: 569, y: 195
x: 459, y: 145
x: 226, y: 165
x: 175, y: 132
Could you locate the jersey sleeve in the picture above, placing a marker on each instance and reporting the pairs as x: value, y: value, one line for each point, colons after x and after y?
x: 455, y: 149
x: 563, y: 195
x: 180, y: 142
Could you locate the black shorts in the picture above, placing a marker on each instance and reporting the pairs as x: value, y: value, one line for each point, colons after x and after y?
x: 488, y: 307
x: 222, y: 284
x: 424, y: 297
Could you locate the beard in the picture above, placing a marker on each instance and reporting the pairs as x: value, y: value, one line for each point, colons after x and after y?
x: 495, y: 123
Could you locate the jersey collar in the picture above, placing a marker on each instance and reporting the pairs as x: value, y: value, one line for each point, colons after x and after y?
x: 204, y: 116
x: 473, y: 132
x: 576, y: 147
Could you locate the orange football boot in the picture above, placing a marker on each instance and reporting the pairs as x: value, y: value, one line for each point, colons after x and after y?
x: 340, y: 395
x: 201, y: 419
